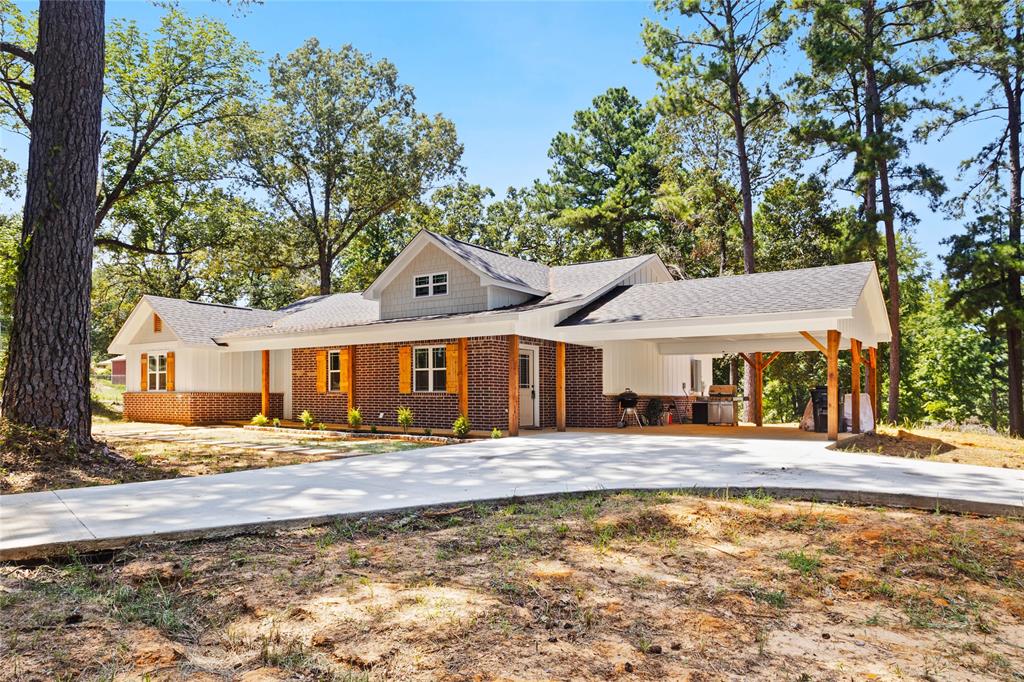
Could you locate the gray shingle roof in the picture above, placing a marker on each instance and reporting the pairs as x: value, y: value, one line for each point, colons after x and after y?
x: 824, y: 288
x: 501, y: 267
x: 315, y: 313
x: 199, y: 323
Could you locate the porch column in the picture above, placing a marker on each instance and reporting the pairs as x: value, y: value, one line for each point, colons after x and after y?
x: 873, y: 383
x: 758, y: 406
x: 513, y: 385
x: 350, y: 377
x: 560, y: 385
x: 832, y: 358
x: 265, y: 389
x: 855, y: 346
x: 464, y: 377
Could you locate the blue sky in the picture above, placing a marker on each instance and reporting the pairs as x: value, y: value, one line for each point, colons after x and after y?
x: 509, y: 74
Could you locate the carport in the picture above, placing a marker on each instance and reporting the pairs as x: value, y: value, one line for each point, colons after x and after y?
x: 759, y: 316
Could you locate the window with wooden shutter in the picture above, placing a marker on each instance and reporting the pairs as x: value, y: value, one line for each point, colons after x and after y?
x: 453, y: 366
x: 405, y: 369
x: 321, y: 371
x: 158, y: 324
x: 170, y: 371
x: 144, y: 373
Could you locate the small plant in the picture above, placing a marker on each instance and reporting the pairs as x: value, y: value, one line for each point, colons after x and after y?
x: 428, y: 432
x: 461, y: 426
x: 355, y: 418
x: 405, y: 418
x: 259, y: 420
x: 307, y: 419
x: 373, y: 428
x: 276, y: 422
x: 321, y: 426
x: 495, y: 432
x: 799, y: 561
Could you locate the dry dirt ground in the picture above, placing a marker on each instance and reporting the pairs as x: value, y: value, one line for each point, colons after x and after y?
x: 32, y: 460
x: 630, y: 586
x: 941, y: 445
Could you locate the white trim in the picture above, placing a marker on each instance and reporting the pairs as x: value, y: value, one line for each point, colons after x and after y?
x: 334, y: 352
x: 431, y: 284
x: 136, y: 320
x: 430, y: 368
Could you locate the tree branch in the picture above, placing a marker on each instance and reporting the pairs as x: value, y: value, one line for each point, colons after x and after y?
x: 18, y: 51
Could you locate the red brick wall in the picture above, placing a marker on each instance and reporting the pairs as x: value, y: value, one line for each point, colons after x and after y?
x: 376, y: 387
x: 197, y: 407
x: 586, y: 406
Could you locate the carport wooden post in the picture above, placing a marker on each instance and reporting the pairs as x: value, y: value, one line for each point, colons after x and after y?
x: 265, y: 388
x: 758, y: 365
x: 855, y: 361
x: 832, y: 358
x: 513, y: 385
x: 873, y: 383
x: 560, y: 385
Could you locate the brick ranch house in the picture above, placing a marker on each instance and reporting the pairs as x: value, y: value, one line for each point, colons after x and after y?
x: 452, y: 328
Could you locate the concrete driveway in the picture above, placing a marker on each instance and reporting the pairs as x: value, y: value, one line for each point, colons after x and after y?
x: 34, y: 524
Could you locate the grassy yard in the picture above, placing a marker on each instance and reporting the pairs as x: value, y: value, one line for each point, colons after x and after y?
x: 30, y: 461
x: 619, y: 586
x: 941, y: 445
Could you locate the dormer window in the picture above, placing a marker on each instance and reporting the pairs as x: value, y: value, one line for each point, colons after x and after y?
x: 435, y: 284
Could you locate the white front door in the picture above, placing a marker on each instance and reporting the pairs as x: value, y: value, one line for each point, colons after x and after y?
x: 527, y: 386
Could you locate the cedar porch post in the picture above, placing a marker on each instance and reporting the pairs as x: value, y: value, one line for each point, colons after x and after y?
x: 855, y: 347
x: 560, y: 385
x: 873, y: 383
x: 832, y: 358
x: 265, y: 390
x: 513, y: 385
x: 758, y: 389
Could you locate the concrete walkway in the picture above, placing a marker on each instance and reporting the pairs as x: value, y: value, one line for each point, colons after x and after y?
x: 35, y: 524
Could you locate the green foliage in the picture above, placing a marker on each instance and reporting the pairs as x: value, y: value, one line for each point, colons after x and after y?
x: 259, y: 420
x: 307, y: 419
x: 342, y: 124
x: 405, y: 418
x: 604, y: 175
x: 461, y: 426
x: 428, y: 431
x: 496, y: 432
x: 276, y: 422
x: 355, y: 418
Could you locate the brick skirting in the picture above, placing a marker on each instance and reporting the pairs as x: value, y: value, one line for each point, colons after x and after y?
x: 196, y: 407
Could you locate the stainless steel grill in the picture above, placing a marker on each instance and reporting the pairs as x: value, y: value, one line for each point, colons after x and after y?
x: 722, y: 405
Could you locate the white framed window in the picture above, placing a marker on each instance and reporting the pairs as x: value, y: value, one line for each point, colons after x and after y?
x: 334, y: 370
x: 434, y: 284
x: 429, y: 369
x: 156, y: 372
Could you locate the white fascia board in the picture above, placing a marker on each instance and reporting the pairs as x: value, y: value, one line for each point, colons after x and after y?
x: 138, y: 317
x: 414, y: 330
x: 726, y: 325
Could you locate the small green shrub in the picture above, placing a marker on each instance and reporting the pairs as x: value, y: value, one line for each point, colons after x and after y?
x: 355, y: 418
x: 373, y: 428
x: 307, y: 419
x: 495, y: 432
x: 405, y: 418
x: 276, y: 422
x: 461, y: 426
x: 321, y: 426
x: 259, y: 420
x: 428, y: 432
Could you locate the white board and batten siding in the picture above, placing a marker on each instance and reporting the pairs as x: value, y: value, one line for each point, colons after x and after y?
x: 199, y: 369
x: 638, y: 365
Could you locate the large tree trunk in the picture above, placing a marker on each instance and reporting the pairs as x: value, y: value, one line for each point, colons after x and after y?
x: 1013, y: 293
x: 47, y: 383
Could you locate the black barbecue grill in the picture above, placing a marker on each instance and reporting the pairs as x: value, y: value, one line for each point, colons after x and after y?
x: 627, y: 405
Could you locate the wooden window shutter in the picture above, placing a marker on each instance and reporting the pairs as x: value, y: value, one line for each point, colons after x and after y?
x: 405, y: 369
x: 158, y: 324
x: 170, y: 371
x: 321, y: 371
x: 451, y: 352
x: 144, y: 379
x: 344, y: 358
